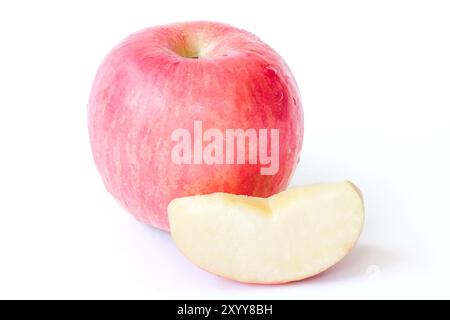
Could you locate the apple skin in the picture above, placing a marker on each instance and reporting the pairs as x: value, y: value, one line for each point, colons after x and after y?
x: 149, y: 85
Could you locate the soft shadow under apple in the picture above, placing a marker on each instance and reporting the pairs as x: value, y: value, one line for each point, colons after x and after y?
x: 363, y: 261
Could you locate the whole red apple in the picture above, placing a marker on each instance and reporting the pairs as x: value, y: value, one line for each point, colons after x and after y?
x: 193, y: 108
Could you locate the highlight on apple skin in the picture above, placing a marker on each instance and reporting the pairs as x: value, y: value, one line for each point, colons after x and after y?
x: 287, y: 237
x: 167, y: 77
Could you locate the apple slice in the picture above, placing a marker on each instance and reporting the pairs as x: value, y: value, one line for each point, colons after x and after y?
x: 290, y: 236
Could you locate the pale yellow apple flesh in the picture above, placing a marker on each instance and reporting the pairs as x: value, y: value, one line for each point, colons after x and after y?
x: 290, y: 236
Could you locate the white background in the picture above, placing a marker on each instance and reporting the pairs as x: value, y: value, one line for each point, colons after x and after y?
x: 375, y: 84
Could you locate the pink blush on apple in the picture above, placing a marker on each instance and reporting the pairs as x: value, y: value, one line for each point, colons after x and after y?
x: 169, y: 78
